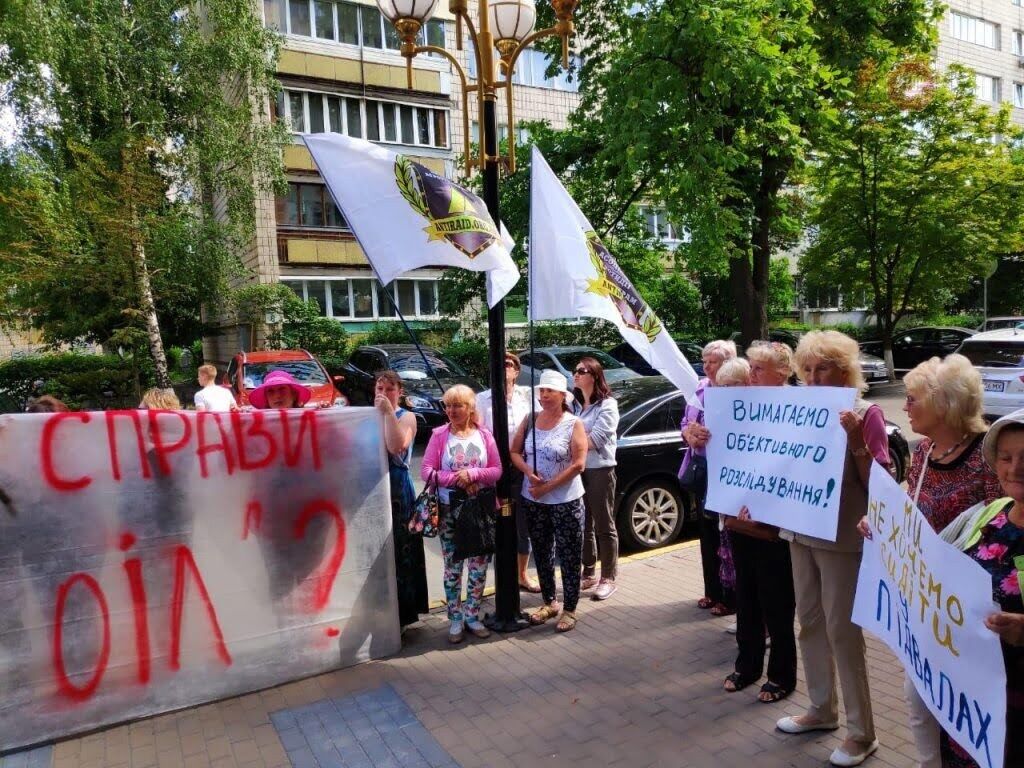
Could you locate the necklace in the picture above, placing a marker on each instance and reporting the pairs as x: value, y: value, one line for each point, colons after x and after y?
x: 956, y: 445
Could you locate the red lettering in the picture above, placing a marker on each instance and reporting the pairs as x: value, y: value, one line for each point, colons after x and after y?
x: 292, y: 453
x: 205, y: 448
x: 183, y: 558
x: 64, y: 684
x: 140, y: 445
x: 133, y: 567
x: 46, y: 453
x: 253, y: 518
x: 244, y: 433
x: 324, y: 579
x: 160, y: 449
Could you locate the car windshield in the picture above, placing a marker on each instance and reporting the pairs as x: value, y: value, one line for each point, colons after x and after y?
x: 1003, y: 322
x: 412, y: 368
x: 632, y: 392
x: 994, y: 354
x: 303, y: 371
x: 568, y: 360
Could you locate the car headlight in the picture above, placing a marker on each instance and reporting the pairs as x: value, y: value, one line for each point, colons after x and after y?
x: 415, y: 401
x: 340, y: 402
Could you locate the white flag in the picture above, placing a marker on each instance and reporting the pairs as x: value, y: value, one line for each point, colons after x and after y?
x: 406, y: 216
x: 572, y: 274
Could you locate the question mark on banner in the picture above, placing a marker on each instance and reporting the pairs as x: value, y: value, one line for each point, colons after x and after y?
x: 831, y: 486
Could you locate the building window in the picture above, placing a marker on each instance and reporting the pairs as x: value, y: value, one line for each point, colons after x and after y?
x: 656, y: 224
x: 313, y: 112
x: 343, y: 23
x: 1018, y: 95
x: 1018, y: 42
x: 531, y: 69
x: 308, y: 205
x: 351, y: 298
x: 986, y: 88
x: 974, y: 30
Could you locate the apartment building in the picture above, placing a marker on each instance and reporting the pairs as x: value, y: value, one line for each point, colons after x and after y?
x: 340, y: 70
x: 988, y: 37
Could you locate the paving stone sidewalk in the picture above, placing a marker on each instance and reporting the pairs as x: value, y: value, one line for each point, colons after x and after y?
x: 638, y: 683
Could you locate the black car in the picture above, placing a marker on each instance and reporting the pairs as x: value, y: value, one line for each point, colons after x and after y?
x: 651, y: 509
x: 421, y: 383
x: 628, y: 356
x: 916, y: 345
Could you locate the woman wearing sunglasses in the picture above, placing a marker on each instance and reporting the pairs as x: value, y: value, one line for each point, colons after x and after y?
x: 599, y: 413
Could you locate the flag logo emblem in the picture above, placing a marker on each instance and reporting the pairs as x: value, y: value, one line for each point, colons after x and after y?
x: 455, y: 214
x: 612, y: 282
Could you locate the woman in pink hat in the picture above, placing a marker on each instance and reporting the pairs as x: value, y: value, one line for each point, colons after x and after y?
x: 279, y: 390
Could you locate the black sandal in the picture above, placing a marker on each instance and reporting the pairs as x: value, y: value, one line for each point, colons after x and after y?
x: 775, y: 693
x: 738, y: 682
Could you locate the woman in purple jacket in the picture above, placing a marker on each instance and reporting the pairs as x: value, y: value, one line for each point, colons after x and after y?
x: 694, y: 477
x: 465, y: 459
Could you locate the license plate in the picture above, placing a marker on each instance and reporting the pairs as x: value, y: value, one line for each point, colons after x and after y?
x: 995, y: 386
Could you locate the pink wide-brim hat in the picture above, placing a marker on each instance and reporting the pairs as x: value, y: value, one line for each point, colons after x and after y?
x: 258, y: 397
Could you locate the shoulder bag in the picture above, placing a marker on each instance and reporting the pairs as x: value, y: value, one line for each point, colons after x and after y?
x: 426, y: 517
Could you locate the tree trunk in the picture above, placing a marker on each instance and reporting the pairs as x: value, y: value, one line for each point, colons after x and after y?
x: 750, y: 301
x: 156, y: 344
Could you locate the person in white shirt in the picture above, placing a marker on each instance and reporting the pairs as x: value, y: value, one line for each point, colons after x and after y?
x: 517, y: 403
x: 213, y: 397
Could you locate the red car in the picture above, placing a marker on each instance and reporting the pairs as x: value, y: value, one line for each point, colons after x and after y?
x: 247, y: 369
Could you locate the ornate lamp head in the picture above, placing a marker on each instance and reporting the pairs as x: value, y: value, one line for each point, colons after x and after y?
x: 408, y: 16
x: 511, y: 21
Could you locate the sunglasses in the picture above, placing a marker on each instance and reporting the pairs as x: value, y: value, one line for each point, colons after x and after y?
x: 580, y: 372
x: 510, y: 364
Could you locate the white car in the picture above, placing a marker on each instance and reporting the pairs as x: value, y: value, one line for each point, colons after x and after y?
x: 999, y: 357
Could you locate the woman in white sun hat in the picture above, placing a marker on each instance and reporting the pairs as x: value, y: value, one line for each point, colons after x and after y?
x: 550, y: 449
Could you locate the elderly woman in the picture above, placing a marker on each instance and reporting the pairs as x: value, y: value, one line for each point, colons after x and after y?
x: 948, y: 474
x: 694, y: 476
x: 995, y: 541
x: 764, y: 577
x: 399, y: 434
x: 825, y: 572
x: 551, y: 452
x: 462, y: 457
x: 597, y: 409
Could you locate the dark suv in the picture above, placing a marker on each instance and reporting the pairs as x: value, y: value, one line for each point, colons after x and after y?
x: 421, y: 389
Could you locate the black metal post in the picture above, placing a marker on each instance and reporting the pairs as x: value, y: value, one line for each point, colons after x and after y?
x: 507, y: 616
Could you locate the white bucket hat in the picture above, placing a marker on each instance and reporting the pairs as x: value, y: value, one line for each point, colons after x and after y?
x: 556, y: 381
x: 988, y: 448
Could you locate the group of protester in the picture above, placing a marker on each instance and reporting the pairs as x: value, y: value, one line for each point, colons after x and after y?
x: 967, y: 480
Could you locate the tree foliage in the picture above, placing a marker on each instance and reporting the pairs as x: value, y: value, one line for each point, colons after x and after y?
x: 137, y: 123
x: 918, y: 189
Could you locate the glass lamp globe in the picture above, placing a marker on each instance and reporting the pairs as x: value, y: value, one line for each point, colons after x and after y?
x: 415, y: 10
x: 512, y: 19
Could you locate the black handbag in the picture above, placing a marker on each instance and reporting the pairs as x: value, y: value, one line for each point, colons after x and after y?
x: 425, y: 518
x: 474, y: 520
x: 696, y: 473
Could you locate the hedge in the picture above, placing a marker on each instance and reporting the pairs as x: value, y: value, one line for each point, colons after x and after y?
x: 83, y: 382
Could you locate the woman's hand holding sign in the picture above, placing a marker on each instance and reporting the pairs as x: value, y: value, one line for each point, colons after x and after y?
x: 864, y: 528
x: 696, y: 435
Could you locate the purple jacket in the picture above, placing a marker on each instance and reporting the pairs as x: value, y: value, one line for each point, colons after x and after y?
x: 693, y: 414
x: 432, y: 460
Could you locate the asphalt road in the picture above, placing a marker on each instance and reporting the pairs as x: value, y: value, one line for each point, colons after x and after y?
x: 890, y: 397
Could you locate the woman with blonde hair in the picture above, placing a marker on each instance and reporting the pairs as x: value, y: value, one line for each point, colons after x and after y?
x: 948, y: 474
x: 461, y: 458
x: 693, y: 476
x: 158, y: 399
x: 825, y: 572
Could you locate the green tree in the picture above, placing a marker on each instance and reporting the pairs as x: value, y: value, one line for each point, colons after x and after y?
x: 918, y: 189
x: 713, y: 108
x: 137, y: 121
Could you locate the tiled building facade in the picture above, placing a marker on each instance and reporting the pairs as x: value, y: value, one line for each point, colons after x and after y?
x: 340, y: 71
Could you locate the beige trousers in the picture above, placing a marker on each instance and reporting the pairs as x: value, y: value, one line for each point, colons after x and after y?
x: 825, y: 582
x: 923, y: 727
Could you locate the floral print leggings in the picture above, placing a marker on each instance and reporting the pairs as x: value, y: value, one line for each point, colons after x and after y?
x: 457, y: 610
x: 562, y: 526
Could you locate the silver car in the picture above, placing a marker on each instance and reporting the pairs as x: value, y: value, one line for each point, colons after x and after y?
x: 564, y: 359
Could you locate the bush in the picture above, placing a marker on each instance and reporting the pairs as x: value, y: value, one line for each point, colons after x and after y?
x: 473, y: 356
x: 438, y: 334
x: 82, y: 381
x: 588, y: 333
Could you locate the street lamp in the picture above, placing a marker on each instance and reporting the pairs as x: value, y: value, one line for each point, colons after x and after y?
x: 505, y: 26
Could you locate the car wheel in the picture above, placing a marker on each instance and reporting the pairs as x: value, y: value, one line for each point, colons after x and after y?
x: 896, y: 462
x: 652, y: 515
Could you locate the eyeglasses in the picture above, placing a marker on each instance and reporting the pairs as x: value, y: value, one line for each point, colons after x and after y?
x: 911, y: 401
x: 580, y: 372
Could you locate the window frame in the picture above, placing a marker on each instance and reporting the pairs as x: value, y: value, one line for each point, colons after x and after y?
x: 332, y: 283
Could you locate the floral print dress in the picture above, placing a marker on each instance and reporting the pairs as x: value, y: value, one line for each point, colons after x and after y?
x: 1000, y: 551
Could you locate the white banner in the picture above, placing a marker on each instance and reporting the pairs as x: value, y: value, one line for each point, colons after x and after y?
x: 928, y: 601
x: 406, y: 216
x: 780, y: 452
x: 153, y: 560
x: 572, y: 274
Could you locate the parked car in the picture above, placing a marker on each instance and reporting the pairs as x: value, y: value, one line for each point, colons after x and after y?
x: 564, y: 359
x: 871, y: 366
x: 999, y: 357
x: 247, y: 370
x: 651, y: 509
x: 916, y: 345
x: 628, y: 356
x: 421, y: 383
x: 995, y: 323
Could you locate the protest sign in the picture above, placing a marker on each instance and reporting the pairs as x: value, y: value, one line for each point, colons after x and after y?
x: 928, y: 601
x: 153, y: 560
x: 780, y: 452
